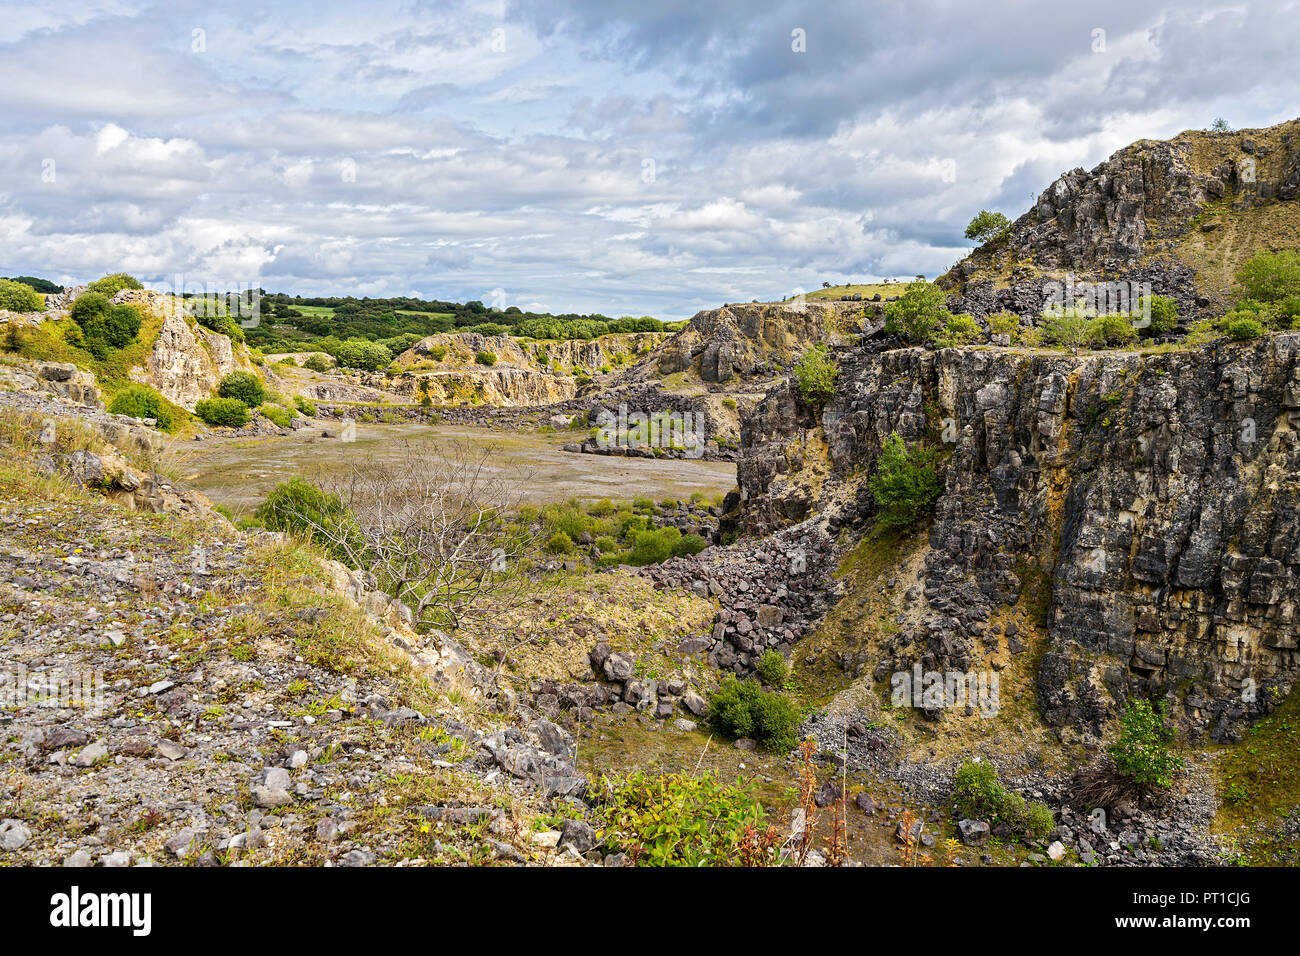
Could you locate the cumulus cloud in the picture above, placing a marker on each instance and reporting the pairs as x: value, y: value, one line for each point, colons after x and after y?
x: 582, y: 155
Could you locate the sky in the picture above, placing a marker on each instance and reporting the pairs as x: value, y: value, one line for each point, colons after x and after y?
x: 609, y: 156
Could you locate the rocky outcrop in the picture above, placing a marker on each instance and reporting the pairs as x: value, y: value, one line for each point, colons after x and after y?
x: 1151, y: 502
x: 594, y: 354
x: 187, y: 362
x: 60, y: 379
x: 739, y: 342
x: 1144, y: 215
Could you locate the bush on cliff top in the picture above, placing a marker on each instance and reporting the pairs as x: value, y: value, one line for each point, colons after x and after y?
x: 18, y: 297
x: 919, y: 313
x: 111, y: 285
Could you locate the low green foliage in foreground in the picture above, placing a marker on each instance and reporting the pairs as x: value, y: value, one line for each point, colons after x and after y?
x: 741, y: 708
x: 677, y: 820
x: 977, y: 795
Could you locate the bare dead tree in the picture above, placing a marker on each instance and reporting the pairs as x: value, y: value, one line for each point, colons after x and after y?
x: 433, y: 526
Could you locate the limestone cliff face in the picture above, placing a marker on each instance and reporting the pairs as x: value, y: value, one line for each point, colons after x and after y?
x: 459, y: 349
x: 525, y: 373
x: 1157, y: 499
x: 497, y: 385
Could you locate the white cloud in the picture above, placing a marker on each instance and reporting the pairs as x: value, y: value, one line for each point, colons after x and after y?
x: 602, y: 160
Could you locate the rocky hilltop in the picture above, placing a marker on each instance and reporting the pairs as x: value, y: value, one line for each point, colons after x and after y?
x: 745, y: 342
x: 1182, y: 214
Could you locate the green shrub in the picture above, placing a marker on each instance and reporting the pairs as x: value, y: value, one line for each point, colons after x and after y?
x: 987, y: 225
x: 1270, y: 276
x: 1038, y: 820
x: 276, y: 414
x: 607, y: 544
x: 601, y: 509
x: 437, y: 352
x: 299, y: 507
x: 1004, y: 323
x: 365, y: 355
x: 1286, y: 312
x: 1142, y: 752
x: 569, y: 518
x: 957, y: 331
x: 1111, y: 330
x: 652, y: 547
x: 642, y: 503
x: 305, y: 405
x: 316, y: 362
x: 815, y: 374
x: 89, y: 305
x: 905, y: 485
x: 244, y: 386
x: 918, y: 313
x: 141, y: 401
x: 224, y: 412
x: 689, y: 544
x: 1069, y: 330
x: 677, y: 820
x: 111, y: 285
x: 18, y: 297
x: 741, y: 708
x: 1164, y: 315
x: 105, y: 326
x: 1242, y: 328
x: 771, y: 668
x: 977, y: 795
x: 559, y: 543
x: 485, y: 358
x: 629, y: 524
x: 219, y: 320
